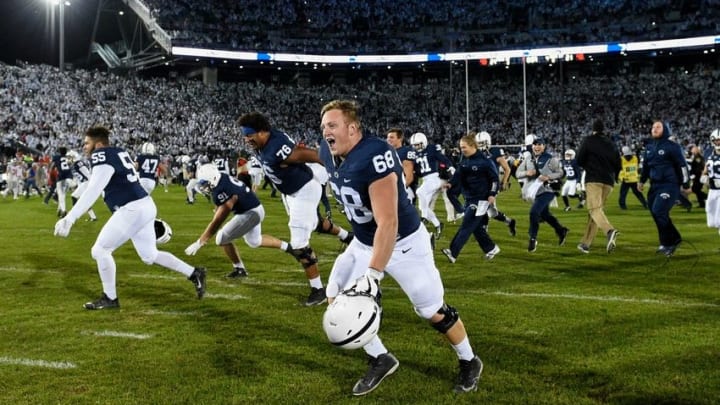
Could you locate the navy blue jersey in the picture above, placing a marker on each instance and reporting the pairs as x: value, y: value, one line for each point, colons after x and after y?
x: 477, y: 175
x: 222, y: 164
x: 64, y: 167
x: 406, y: 153
x: 124, y: 185
x: 287, y: 177
x: 371, y: 159
x: 148, y: 166
x: 190, y: 166
x: 426, y: 160
x: 494, y: 153
x: 81, y: 171
x: 712, y: 165
x: 572, y: 169
x: 230, y: 186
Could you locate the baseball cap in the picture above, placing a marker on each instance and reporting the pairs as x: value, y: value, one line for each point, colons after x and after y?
x: 539, y: 141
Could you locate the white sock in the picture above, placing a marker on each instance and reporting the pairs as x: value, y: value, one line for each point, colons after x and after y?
x: 463, y: 350
x: 316, y: 282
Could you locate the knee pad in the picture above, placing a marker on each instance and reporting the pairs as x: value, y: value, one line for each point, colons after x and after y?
x: 305, y: 256
x: 450, y: 318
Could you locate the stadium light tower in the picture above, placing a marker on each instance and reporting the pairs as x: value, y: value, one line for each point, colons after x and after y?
x: 61, y: 9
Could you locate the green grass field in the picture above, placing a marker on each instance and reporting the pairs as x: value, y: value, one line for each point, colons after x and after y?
x: 552, y: 327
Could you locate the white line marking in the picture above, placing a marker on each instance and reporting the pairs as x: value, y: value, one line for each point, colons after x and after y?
x: 37, y: 363
x: 111, y: 333
x: 605, y: 298
x: 26, y: 270
x: 232, y: 297
x: 170, y: 313
x: 156, y: 276
x: 595, y: 298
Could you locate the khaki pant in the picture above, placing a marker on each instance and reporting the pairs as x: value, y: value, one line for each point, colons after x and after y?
x: 596, y: 195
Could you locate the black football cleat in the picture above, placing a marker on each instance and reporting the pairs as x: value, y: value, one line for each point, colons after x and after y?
x: 103, y: 303
x: 238, y: 272
x: 380, y: 367
x: 317, y: 296
x: 470, y: 371
x: 198, y: 280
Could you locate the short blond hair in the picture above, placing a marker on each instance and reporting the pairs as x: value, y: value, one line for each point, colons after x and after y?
x: 349, y: 108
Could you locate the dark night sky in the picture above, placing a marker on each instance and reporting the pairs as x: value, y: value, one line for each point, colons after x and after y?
x: 26, y: 32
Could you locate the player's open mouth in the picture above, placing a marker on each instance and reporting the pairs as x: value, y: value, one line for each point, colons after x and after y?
x: 330, y: 141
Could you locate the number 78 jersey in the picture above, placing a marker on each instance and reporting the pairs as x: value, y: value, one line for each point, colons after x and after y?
x: 371, y: 159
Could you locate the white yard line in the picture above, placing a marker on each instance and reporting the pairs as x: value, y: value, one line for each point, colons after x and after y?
x: 37, y: 363
x: 231, y: 297
x: 111, y: 333
x: 255, y: 281
x: 607, y: 298
x: 170, y: 313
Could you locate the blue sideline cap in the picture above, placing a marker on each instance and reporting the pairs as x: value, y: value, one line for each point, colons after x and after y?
x: 247, y: 131
x: 539, y: 141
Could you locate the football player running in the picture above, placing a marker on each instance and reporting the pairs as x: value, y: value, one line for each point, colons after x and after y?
x: 395, y: 137
x: 497, y: 155
x: 427, y: 157
x: 230, y: 195
x: 572, y: 176
x: 63, y: 164
x: 147, y: 165
x: 133, y: 217
x: 366, y: 176
x: 711, y: 176
x: 285, y: 165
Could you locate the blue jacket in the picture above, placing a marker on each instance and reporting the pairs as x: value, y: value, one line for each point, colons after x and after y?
x: 664, y: 161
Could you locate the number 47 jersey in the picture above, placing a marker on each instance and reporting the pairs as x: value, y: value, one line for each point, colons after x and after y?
x: 371, y: 159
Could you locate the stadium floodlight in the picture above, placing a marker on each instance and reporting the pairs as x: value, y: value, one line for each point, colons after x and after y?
x: 61, y: 8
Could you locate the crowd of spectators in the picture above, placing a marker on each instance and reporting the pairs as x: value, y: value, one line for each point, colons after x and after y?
x: 46, y: 108
x: 388, y: 26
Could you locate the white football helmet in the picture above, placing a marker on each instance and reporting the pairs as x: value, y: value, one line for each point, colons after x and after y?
x: 163, y: 232
x: 352, y: 320
x: 147, y: 148
x: 419, y: 141
x: 569, y: 154
x: 529, y: 139
x: 483, y: 140
x: 715, y: 140
x: 208, y: 176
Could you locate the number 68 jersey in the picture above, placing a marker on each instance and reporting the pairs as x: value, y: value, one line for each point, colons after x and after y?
x: 124, y: 185
x: 371, y: 159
